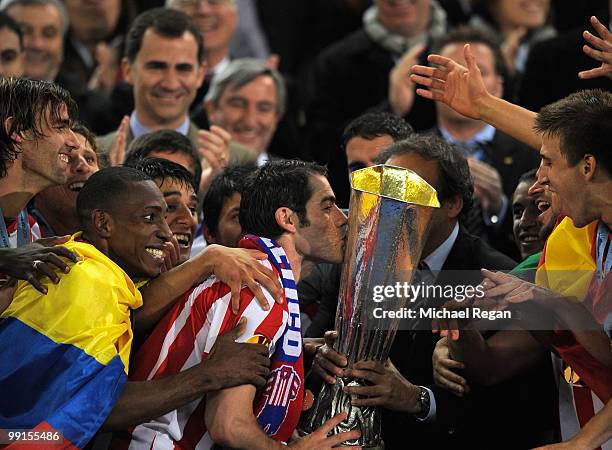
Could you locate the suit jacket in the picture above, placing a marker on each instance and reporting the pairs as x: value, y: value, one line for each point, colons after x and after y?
x: 239, y: 154
x: 349, y: 78
x: 511, y: 159
x: 487, y: 417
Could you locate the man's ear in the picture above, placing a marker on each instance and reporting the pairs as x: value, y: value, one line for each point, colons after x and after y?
x: 210, y: 239
x: 126, y: 69
x: 454, y: 206
x: 589, y: 165
x: 15, y: 137
x: 102, y: 223
x: 286, y: 219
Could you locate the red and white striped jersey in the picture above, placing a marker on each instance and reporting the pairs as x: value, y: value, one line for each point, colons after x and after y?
x: 11, y: 228
x: 187, y: 334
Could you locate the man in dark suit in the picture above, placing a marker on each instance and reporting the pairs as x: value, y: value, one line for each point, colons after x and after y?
x: 496, y: 160
x: 352, y: 76
x: 415, y: 410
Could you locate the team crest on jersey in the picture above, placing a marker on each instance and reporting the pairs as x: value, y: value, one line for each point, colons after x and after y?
x: 282, y: 388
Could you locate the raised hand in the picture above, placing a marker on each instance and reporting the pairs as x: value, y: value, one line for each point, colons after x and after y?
x: 105, y: 75
x: 117, y: 153
x: 601, y: 51
x: 237, y: 267
x: 487, y: 185
x: 214, y: 153
x: 460, y: 88
x: 401, y: 87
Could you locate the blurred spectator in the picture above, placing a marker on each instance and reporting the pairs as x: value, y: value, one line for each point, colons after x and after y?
x: 352, y: 76
x: 216, y: 20
x: 11, y: 47
x: 44, y: 23
x: 518, y: 24
x: 94, y: 43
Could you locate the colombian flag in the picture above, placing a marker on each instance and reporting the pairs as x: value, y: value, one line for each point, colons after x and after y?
x: 64, y: 356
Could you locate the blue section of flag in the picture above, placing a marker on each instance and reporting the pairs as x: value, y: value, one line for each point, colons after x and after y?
x: 43, y: 381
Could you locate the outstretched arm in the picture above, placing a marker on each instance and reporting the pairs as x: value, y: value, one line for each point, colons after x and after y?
x: 231, y: 423
x: 229, y: 364
x: 463, y: 90
x: 231, y: 265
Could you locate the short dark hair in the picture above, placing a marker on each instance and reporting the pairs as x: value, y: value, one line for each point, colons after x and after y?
x: 162, y: 169
x: 283, y: 183
x: 454, y: 178
x: 7, y: 21
x: 225, y: 185
x: 473, y: 36
x: 104, y: 188
x: 169, y: 23
x: 375, y: 124
x: 82, y: 129
x: 168, y: 141
x: 26, y: 102
x: 583, y: 123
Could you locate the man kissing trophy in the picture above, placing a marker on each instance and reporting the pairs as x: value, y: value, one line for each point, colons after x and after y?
x: 389, y: 216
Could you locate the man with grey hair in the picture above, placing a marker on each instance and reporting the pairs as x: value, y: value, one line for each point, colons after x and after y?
x: 248, y: 99
x: 44, y: 24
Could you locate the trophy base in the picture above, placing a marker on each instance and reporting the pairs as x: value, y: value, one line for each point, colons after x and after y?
x: 331, y: 401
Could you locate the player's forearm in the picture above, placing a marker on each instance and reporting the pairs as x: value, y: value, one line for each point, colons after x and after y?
x: 242, y: 432
x: 585, y: 329
x: 596, y: 431
x: 505, y: 354
x: 160, y: 294
x: 511, y: 119
x: 230, y: 421
x: 142, y: 401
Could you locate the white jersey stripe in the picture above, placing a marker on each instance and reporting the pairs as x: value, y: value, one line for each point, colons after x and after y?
x: 178, y: 325
x: 217, y: 312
